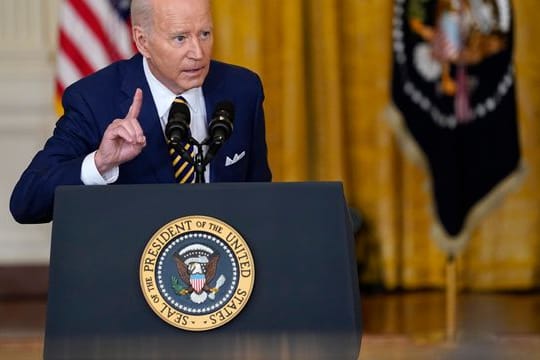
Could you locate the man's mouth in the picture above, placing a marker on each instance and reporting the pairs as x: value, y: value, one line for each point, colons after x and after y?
x: 194, y: 71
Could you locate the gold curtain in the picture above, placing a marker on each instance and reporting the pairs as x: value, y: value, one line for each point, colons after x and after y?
x: 326, y: 69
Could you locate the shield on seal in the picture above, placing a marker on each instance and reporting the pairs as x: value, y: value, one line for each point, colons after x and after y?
x: 197, y: 281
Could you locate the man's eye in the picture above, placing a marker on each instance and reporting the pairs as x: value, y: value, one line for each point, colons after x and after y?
x: 206, y: 34
x: 180, y: 38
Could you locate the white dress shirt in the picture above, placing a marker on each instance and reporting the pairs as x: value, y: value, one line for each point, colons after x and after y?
x: 163, y: 98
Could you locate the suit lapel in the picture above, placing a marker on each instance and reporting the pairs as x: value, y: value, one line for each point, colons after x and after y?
x: 212, y: 88
x: 155, y: 154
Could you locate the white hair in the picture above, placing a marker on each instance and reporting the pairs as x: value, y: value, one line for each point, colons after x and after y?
x: 141, y: 13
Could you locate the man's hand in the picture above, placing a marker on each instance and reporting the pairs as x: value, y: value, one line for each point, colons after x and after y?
x: 123, y: 139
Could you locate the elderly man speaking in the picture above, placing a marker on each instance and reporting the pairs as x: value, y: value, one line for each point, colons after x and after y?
x: 113, y: 128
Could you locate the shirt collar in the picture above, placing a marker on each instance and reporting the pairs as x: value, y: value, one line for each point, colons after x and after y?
x: 163, y: 97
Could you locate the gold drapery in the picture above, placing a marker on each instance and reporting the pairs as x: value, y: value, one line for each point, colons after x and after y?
x: 326, y: 69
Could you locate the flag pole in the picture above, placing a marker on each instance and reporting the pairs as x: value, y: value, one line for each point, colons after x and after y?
x: 451, y: 298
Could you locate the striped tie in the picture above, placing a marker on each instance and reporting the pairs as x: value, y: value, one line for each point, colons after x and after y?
x: 184, y: 172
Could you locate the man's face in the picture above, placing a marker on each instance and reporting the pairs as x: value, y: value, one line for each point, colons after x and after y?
x: 178, y: 46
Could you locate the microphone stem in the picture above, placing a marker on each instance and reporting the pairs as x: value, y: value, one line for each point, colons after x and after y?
x: 199, y: 165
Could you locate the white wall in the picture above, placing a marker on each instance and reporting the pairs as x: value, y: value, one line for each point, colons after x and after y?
x: 27, y: 50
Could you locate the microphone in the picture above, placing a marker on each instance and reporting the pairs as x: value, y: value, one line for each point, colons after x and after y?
x: 177, y: 128
x: 221, y: 125
x: 220, y: 128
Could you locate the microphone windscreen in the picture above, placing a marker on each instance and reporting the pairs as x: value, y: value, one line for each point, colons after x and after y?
x: 177, y: 128
x: 180, y: 108
x: 226, y: 106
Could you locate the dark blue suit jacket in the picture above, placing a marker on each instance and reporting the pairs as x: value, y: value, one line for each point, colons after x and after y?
x: 93, y: 102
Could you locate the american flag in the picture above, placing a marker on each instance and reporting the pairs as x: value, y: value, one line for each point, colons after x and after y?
x: 92, y: 34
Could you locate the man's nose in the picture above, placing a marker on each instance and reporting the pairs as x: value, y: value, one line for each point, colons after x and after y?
x: 196, y: 51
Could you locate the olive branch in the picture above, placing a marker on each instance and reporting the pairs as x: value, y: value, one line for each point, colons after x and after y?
x: 177, y: 286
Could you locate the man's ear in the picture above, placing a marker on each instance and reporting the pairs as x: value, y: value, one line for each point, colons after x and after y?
x: 140, y: 37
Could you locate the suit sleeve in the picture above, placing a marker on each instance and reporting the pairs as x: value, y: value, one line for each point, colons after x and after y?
x: 58, y: 163
x: 259, y: 170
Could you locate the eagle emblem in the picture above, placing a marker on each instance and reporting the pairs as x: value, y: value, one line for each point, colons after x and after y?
x: 453, y: 38
x: 197, y: 273
x: 197, y: 266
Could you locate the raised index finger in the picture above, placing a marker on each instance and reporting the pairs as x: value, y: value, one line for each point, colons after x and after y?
x: 135, y: 107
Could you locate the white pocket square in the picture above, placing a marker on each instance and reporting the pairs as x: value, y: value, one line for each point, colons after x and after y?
x: 235, y: 159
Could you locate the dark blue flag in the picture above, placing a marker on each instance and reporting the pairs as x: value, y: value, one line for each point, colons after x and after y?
x: 453, y: 82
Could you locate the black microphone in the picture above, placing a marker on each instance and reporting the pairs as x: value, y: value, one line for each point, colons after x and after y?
x: 221, y: 125
x: 177, y: 128
x: 220, y: 128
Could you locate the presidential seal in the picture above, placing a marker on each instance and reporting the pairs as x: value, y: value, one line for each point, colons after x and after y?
x: 197, y: 273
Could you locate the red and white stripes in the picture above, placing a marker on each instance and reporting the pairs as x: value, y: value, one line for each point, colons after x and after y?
x: 92, y: 34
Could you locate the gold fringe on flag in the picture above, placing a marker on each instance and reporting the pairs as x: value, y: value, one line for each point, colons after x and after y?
x: 452, y: 245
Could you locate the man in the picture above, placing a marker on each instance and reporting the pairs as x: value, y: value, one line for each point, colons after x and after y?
x: 112, y: 131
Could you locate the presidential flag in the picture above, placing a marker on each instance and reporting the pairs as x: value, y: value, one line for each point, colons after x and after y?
x: 92, y: 34
x: 454, y: 85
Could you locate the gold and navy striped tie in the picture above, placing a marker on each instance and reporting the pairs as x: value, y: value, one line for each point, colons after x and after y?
x: 184, y: 172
